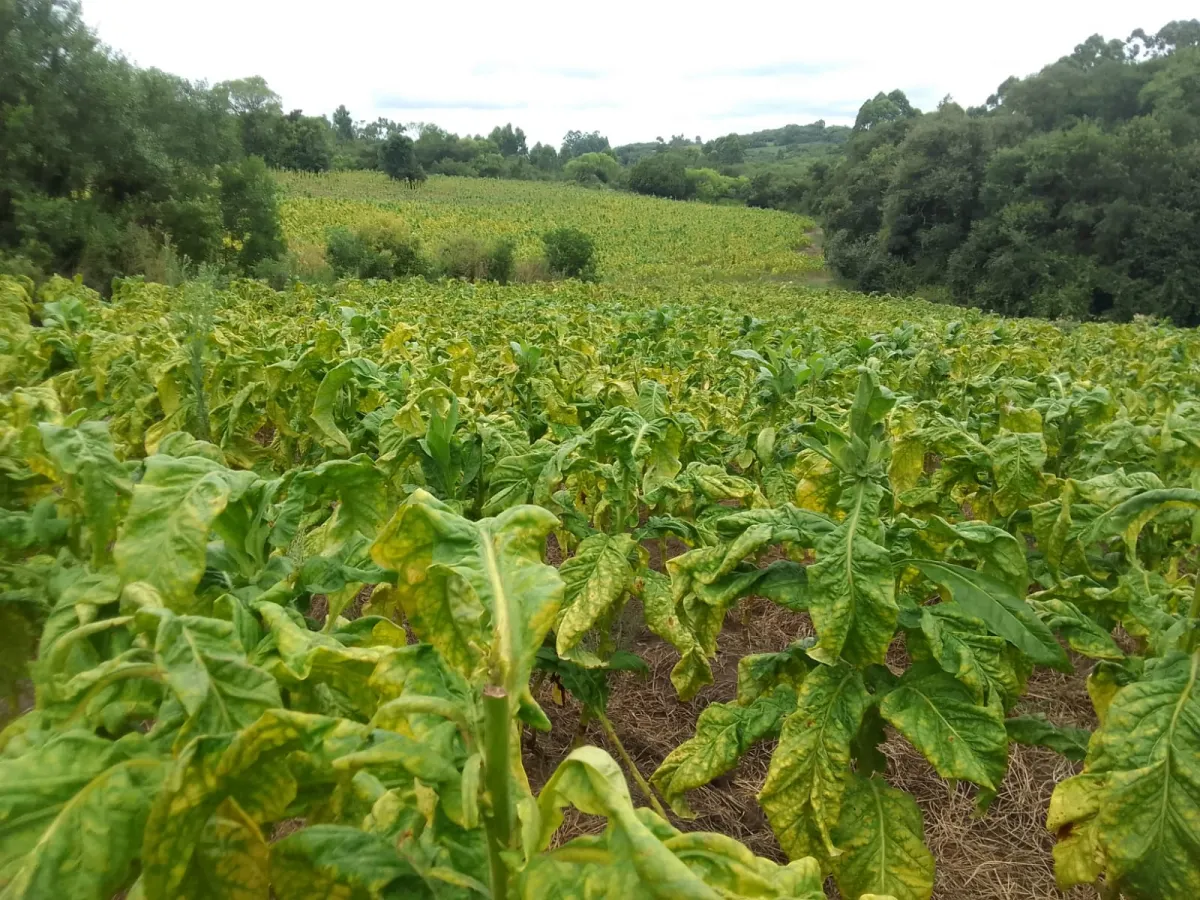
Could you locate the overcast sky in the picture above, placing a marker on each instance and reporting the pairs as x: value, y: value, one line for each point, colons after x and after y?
x: 633, y: 70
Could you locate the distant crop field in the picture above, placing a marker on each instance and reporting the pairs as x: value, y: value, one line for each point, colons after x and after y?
x: 637, y: 237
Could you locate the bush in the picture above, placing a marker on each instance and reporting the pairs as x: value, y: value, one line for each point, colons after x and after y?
x: 250, y: 211
x: 570, y: 253
x: 468, y: 258
x: 383, y: 250
x: 662, y: 175
x: 531, y: 269
x: 463, y: 257
x: 710, y: 186
x: 502, y: 261
x: 593, y: 167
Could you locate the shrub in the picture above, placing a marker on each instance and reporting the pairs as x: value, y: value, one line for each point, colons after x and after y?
x: 570, y: 253
x: 661, y: 175
x: 251, y: 212
x: 464, y: 257
x: 468, y: 258
x: 383, y: 250
x: 502, y: 261
x: 592, y: 168
x: 710, y: 186
x: 531, y: 269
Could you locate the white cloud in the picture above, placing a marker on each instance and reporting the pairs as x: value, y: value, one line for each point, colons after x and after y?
x: 633, y: 70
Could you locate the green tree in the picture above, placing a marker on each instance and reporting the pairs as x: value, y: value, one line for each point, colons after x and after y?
x: 544, y: 157
x: 883, y: 109
x: 343, y: 124
x: 577, y: 143
x: 726, y: 151
x: 591, y: 168
x: 398, y: 158
x: 510, y: 141
x: 305, y: 144
x: 661, y: 175
x: 250, y: 210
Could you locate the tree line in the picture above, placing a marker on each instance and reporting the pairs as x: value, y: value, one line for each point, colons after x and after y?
x: 1074, y: 192
x: 100, y: 160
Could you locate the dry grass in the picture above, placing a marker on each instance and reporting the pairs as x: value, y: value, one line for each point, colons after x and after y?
x: 1004, y: 855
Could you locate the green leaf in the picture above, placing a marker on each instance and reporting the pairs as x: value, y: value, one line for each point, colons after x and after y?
x: 960, y: 644
x: 474, y: 590
x: 1017, y: 461
x: 84, y: 455
x: 639, y: 855
x: 961, y: 738
x: 1146, y: 801
x: 689, y: 633
x: 38, y: 788
x: 1129, y: 518
x: 596, y: 581
x: 1036, y: 731
x: 323, y: 412
x: 1000, y: 554
x: 881, y: 836
x: 852, y: 596
x: 1081, y: 632
x: 724, y: 732
x: 231, y: 860
x: 653, y: 401
x: 1004, y: 612
x: 165, y: 536
x: 207, y: 670
x: 325, y: 861
x: 810, y: 768
x: 760, y: 672
x: 89, y: 848
x: 253, y: 767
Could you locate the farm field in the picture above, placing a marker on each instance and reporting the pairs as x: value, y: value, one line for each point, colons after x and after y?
x: 852, y: 591
x: 638, y: 238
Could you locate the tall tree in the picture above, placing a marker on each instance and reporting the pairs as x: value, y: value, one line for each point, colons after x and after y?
x: 398, y: 158
x: 343, y: 124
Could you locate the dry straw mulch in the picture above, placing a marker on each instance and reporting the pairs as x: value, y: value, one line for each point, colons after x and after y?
x: 1004, y: 855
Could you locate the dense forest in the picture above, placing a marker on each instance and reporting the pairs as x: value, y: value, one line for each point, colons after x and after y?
x: 1074, y: 192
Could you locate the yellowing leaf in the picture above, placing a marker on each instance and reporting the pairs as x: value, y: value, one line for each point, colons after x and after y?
x: 810, y: 768
x: 961, y: 738
x: 596, y: 581
x: 881, y: 836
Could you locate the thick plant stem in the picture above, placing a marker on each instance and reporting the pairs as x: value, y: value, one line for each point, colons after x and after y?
x: 498, y: 823
x: 1193, y: 637
x: 629, y: 764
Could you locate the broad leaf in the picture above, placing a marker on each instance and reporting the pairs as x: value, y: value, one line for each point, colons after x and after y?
x: 324, y: 861
x: 881, y: 836
x: 165, y: 536
x: 961, y: 738
x: 852, y: 595
x: 1035, y: 731
x: 1142, y: 780
x: 207, y: 670
x: 810, y: 768
x: 724, y: 732
x: 1017, y: 461
x: 475, y: 590
x: 596, y: 581
x: 1004, y: 612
